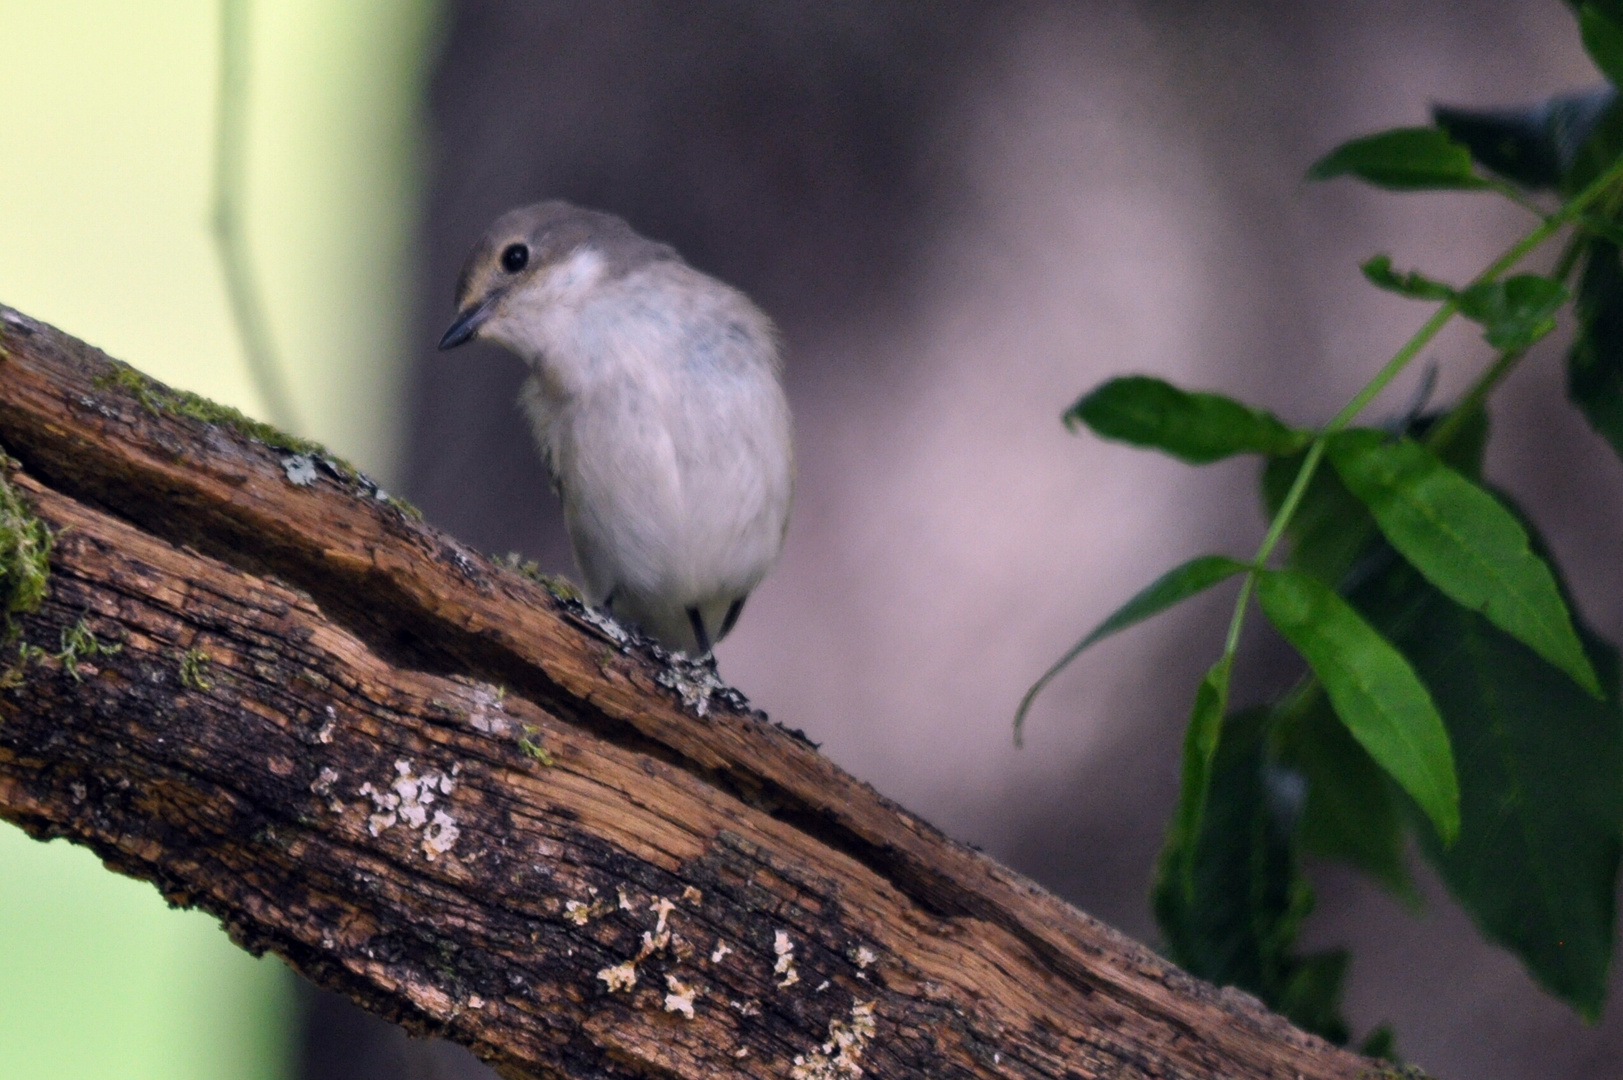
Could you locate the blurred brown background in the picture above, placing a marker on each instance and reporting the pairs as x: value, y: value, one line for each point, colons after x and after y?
x: 963, y: 215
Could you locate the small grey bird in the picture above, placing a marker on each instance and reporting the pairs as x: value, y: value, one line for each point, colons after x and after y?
x: 656, y: 398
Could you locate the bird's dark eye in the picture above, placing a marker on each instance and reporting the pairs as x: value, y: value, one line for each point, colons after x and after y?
x: 515, y: 257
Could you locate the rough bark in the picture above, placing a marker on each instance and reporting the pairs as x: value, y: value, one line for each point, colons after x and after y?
x: 431, y: 784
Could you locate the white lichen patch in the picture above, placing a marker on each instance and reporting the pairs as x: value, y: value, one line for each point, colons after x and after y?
x: 663, y: 908
x: 604, y: 623
x: 578, y: 913
x: 488, y: 712
x: 837, y: 1059
x: 691, y: 895
x: 680, y: 998
x: 620, y: 976
x: 786, y: 958
x: 862, y: 956
x: 625, y: 901
x: 322, y: 785
x: 440, y: 836
x: 695, y: 682
x: 300, y: 469
x: 407, y: 801
x: 324, y: 735
x: 720, y: 951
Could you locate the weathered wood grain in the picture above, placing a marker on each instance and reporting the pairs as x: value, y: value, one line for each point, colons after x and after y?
x: 429, y: 783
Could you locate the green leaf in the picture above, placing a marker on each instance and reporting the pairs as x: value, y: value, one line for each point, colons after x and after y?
x: 1414, y: 285
x: 1311, y: 996
x: 1352, y: 813
x: 1595, y: 362
x: 1199, y: 746
x: 1603, y: 40
x: 1330, y: 529
x: 1403, y: 159
x: 1230, y: 897
x: 1541, y: 783
x: 1531, y: 145
x: 1463, y: 541
x: 1374, y: 690
x: 1176, y: 585
x: 1602, y: 228
x: 1601, y: 142
x: 1515, y: 312
x: 1198, y: 428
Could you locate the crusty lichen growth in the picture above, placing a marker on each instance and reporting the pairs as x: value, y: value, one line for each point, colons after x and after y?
x: 25, y: 550
x: 194, y: 670
x: 839, y: 1057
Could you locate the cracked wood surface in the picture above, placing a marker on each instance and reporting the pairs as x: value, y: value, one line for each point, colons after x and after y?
x: 430, y: 784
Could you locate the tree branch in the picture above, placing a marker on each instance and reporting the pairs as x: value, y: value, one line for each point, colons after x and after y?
x: 431, y: 784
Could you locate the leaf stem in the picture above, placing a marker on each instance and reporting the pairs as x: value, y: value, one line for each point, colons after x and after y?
x: 1395, y: 366
x: 1476, y: 396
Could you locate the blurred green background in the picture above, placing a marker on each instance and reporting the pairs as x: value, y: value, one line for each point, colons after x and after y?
x: 107, y: 110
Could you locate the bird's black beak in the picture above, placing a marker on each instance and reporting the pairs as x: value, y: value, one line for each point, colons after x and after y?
x: 465, y: 326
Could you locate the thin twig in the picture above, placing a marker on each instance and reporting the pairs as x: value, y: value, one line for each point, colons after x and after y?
x: 230, y: 239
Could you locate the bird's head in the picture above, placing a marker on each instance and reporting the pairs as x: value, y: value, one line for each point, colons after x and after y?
x: 536, y: 259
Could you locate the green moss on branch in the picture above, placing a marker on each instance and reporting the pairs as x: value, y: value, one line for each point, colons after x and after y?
x: 25, y: 550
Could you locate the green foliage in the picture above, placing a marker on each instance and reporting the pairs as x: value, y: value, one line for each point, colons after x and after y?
x: 1595, y: 362
x: 1603, y: 40
x: 1515, y: 312
x: 533, y: 744
x: 1454, y: 700
x: 1352, y: 812
x: 194, y: 666
x: 1230, y: 896
x: 1198, y: 428
x: 1199, y: 750
x: 1403, y: 159
x: 1176, y: 585
x: 1465, y: 543
x: 25, y: 550
x: 1533, y: 146
x: 1374, y: 690
x: 1541, y: 779
x: 1414, y: 285
x: 78, y: 643
x: 159, y: 399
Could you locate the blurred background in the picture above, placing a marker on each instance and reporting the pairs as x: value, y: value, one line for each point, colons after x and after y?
x: 962, y: 215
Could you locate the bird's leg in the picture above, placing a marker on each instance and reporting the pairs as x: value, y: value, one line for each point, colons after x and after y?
x: 733, y: 612
x: 699, y: 631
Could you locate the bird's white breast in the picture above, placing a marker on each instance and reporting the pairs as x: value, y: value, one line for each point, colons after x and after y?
x: 657, y: 402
